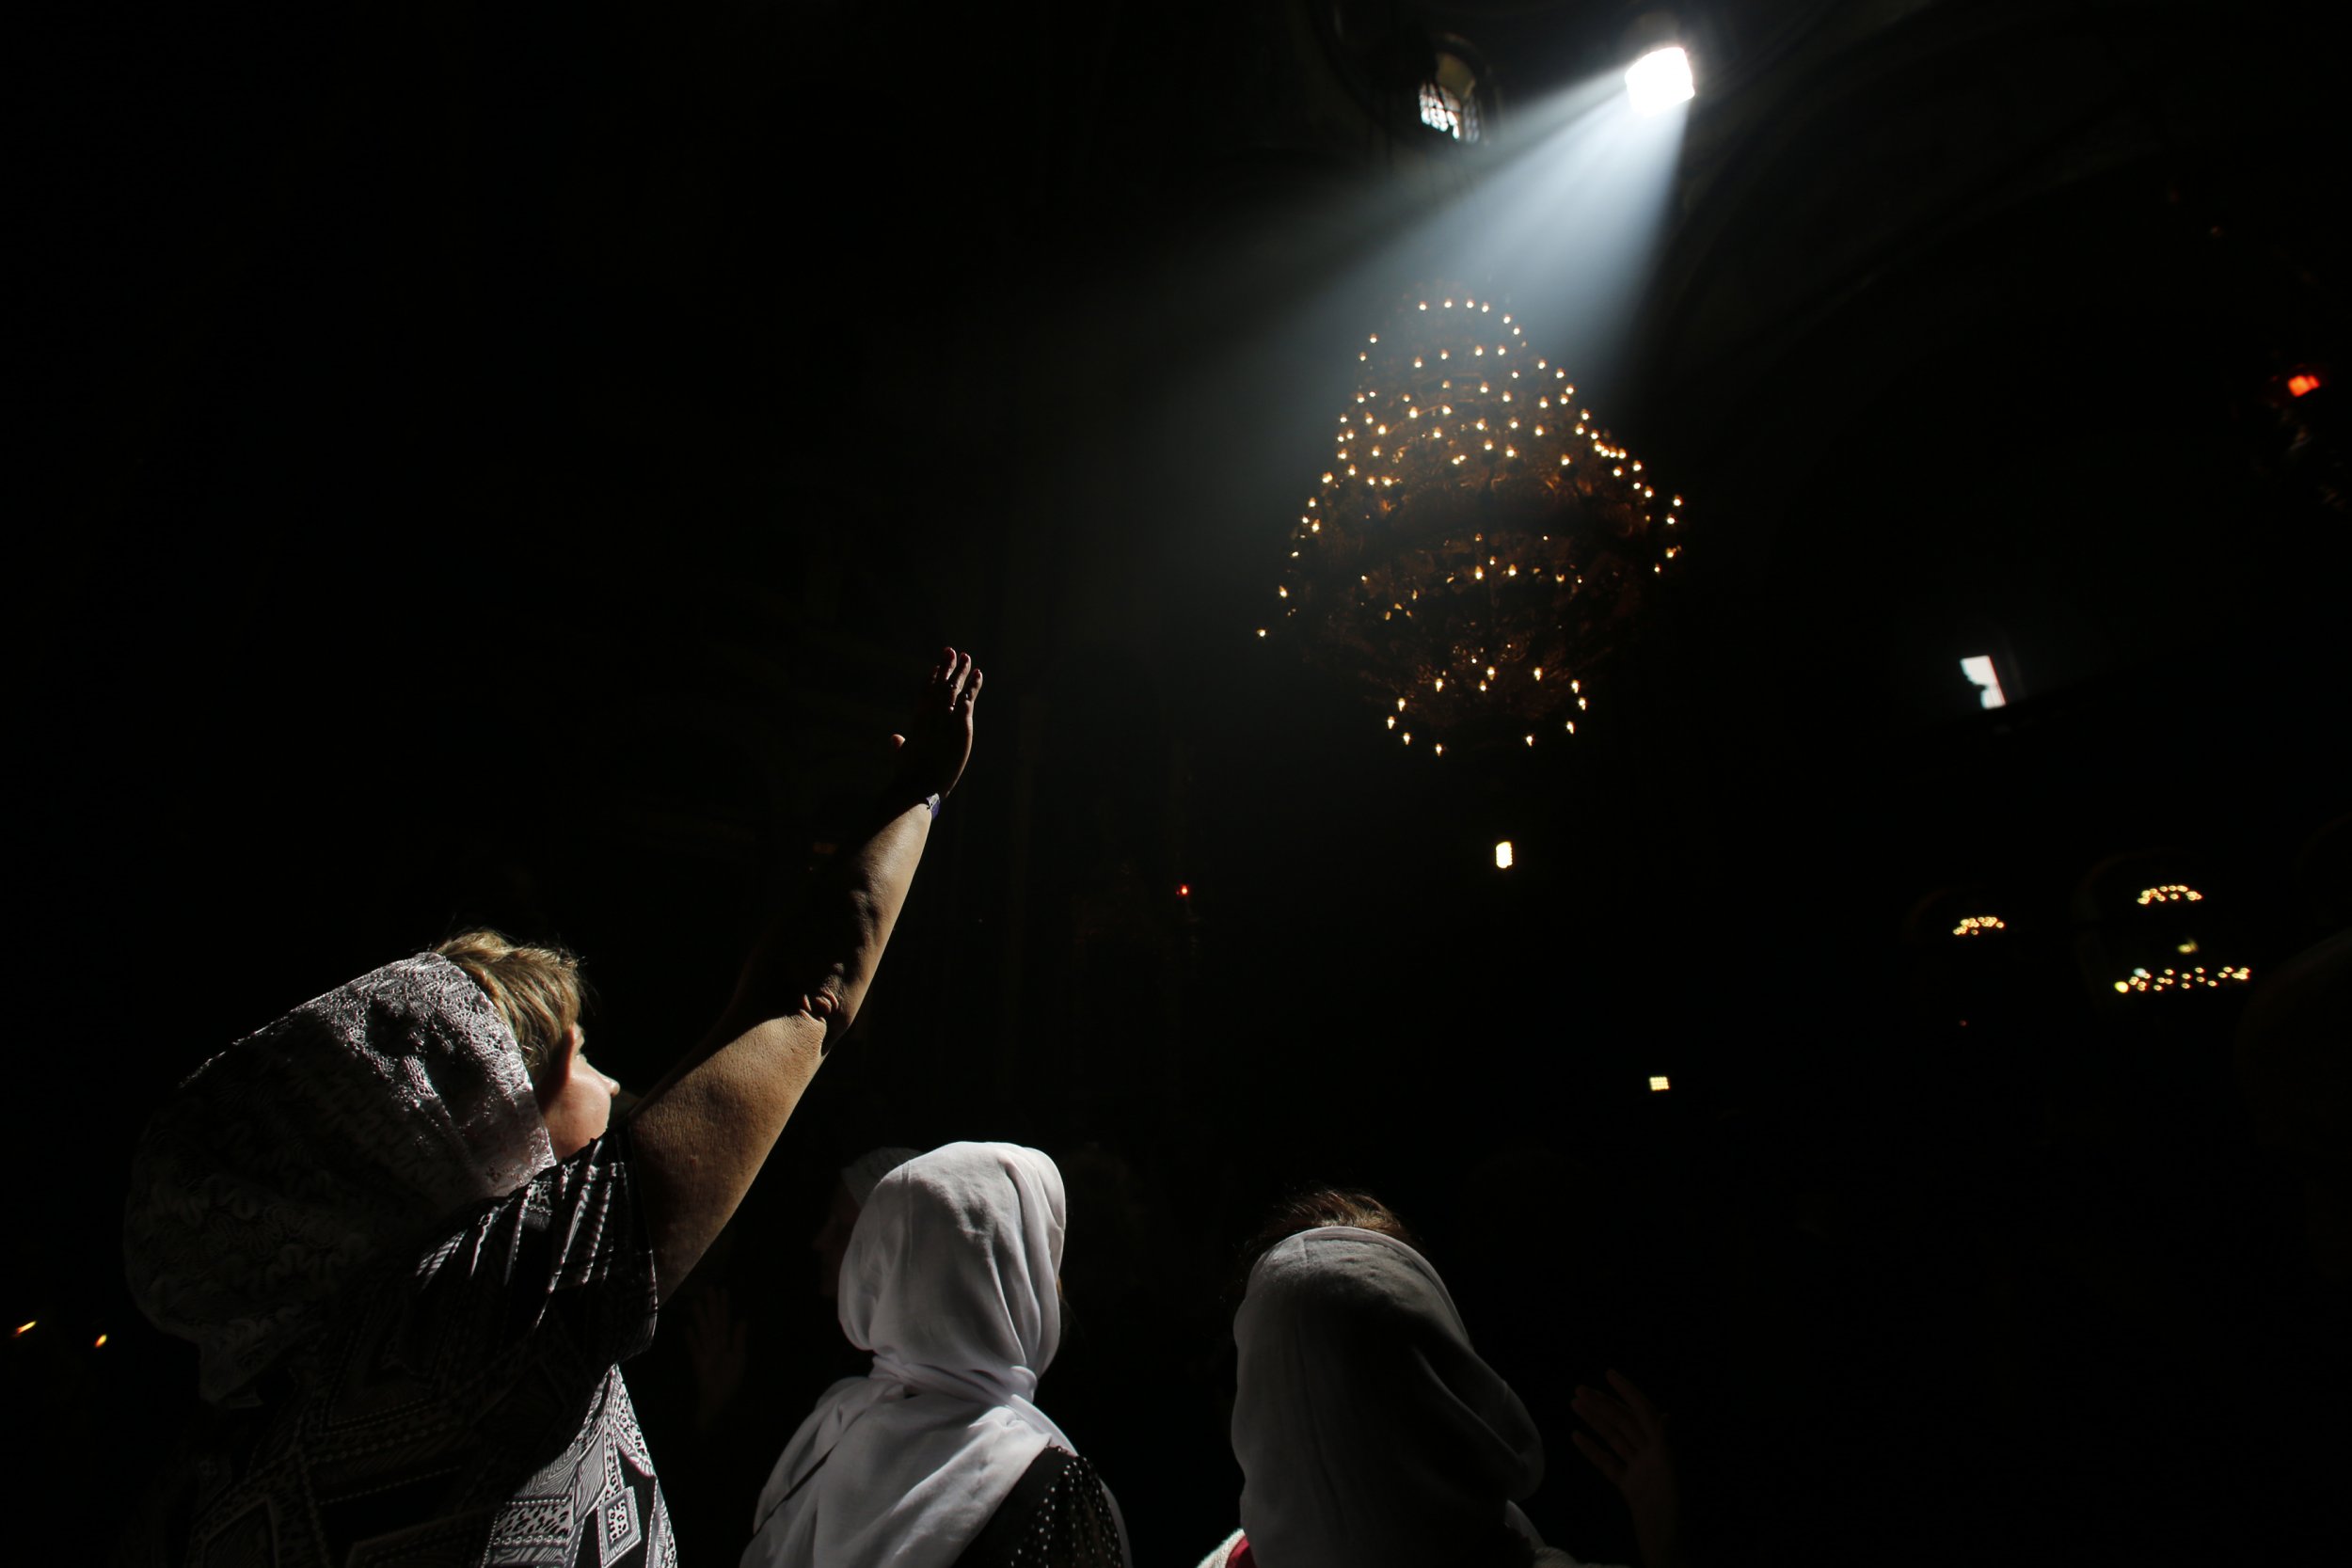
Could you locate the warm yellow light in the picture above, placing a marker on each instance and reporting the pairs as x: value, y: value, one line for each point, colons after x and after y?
x: 100, y: 1343
x: 1502, y: 855
x: 25, y: 1329
x: 1657, y: 1083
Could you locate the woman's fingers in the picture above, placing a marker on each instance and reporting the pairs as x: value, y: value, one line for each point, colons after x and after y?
x: 972, y: 692
x: 1610, y: 1418
x: 1644, y: 1411
x: 1602, y: 1460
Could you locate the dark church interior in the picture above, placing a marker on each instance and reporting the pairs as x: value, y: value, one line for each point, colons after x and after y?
x: 512, y: 465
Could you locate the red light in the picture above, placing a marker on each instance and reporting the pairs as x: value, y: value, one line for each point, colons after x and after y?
x: 2301, y: 382
x: 1183, y: 890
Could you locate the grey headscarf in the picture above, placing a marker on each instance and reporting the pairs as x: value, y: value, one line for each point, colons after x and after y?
x: 343, y: 1133
x: 1370, y: 1435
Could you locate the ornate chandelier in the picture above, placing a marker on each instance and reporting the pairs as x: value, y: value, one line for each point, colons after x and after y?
x: 1478, y: 544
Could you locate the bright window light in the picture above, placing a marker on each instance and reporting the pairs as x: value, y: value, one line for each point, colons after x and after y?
x: 1657, y: 1083
x: 1440, y: 110
x: 1978, y: 669
x: 1659, y: 80
x: 1502, y: 855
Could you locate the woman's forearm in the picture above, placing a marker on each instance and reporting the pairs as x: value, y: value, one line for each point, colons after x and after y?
x: 703, y: 1132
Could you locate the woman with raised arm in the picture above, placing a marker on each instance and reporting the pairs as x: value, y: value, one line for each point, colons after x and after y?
x: 413, y: 1250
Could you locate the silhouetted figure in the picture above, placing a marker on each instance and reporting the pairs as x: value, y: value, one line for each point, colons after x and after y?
x: 1371, y: 1435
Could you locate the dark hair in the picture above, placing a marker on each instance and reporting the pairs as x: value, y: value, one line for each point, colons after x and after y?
x: 1311, y: 1208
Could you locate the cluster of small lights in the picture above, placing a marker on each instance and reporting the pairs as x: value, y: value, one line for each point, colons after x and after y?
x: 1476, y: 532
x: 2171, y: 893
x: 2183, y: 979
x: 1977, y: 925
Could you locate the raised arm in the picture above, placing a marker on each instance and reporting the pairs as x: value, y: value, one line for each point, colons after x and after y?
x: 702, y: 1134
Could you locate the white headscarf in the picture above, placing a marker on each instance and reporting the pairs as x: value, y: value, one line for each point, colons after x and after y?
x: 950, y: 1279
x: 1369, y: 1432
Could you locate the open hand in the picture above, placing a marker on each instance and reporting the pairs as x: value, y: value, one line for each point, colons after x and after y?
x: 938, y: 741
x: 1631, y: 1450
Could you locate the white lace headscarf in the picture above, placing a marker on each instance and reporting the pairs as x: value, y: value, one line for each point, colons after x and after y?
x: 1370, y: 1435
x: 951, y: 1280
x: 343, y: 1133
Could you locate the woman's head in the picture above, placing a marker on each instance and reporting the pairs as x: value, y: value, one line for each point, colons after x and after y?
x: 538, y: 991
x: 950, y: 1274
x: 1316, y: 1208
x: 346, y: 1130
x: 1368, y: 1431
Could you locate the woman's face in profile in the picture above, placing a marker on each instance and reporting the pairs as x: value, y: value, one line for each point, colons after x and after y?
x: 579, y: 1106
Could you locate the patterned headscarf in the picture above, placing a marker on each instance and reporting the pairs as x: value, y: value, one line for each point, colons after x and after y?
x: 343, y: 1133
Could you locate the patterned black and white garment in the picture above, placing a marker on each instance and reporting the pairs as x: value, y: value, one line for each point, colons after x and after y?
x: 410, y: 1315
x: 466, y: 1410
x: 1059, y: 1515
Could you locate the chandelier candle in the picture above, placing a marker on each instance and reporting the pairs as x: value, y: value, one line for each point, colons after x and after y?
x: 1478, y: 542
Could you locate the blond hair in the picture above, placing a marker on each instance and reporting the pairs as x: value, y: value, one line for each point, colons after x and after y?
x: 537, y: 990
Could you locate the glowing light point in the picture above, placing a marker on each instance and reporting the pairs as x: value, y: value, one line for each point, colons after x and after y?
x: 1980, y: 670
x: 2302, y: 382
x: 1183, y: 890
x: 1658, y: 1084
x: 1502, y: 855
x: 1659, y: 80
